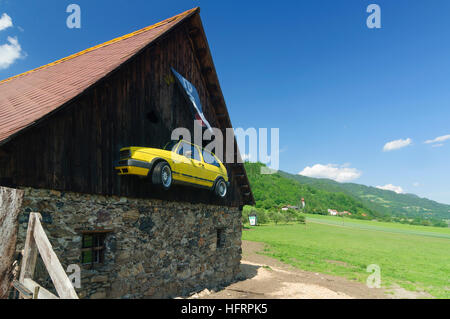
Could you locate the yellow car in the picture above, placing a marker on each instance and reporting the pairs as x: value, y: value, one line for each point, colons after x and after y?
x: 179, y: 162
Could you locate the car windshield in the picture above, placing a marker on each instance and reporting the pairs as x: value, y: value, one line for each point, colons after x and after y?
x: 171, y: 145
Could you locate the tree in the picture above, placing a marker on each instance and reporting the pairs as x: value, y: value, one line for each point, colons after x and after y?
x: 275, y: 216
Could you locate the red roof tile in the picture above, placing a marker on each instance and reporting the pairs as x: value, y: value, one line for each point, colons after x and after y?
x: 27, y: 97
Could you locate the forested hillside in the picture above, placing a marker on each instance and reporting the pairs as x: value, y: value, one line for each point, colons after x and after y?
x: 383, y: 201
x: 275, y: 190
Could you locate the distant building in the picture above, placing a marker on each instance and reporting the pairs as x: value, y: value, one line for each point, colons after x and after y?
x: 333, y: 212
x: 284, y: 208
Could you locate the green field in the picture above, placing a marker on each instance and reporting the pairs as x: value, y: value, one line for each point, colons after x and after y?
x: 416, y: 258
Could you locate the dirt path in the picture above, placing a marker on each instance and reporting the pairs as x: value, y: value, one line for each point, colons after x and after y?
x: 265, y: 277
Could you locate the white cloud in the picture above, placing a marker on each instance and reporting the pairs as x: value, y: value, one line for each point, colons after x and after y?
x: 9, y: 52
x: 437, y: 145
x: 416, y: 184
x: 397, y: 144
x: 5, y: 22
x: 331, y: 171
x: 393, y: 188
x: 439, y: 139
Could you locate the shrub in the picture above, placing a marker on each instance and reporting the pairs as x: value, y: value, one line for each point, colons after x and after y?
x: 275, y: 216
x: 262, y: 216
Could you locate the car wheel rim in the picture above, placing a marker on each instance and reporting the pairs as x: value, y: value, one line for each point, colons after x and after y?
x: 222, y: 189
x: 166, y: 176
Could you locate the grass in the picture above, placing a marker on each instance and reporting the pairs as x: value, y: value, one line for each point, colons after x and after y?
x: 416, y: 258
x: 382, y: 226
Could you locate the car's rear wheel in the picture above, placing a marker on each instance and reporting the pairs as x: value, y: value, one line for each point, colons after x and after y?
x: 162, y: 175
x: 221, y: 188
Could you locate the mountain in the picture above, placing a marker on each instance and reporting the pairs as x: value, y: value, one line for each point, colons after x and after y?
x: 275, y: 190
x: 383, y: 201
x: 283, y: 188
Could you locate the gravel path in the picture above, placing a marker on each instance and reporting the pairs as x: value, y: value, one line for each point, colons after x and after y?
x: 265, y: 277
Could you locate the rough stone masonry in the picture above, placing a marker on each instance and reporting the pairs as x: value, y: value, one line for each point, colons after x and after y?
x: 153, y: 248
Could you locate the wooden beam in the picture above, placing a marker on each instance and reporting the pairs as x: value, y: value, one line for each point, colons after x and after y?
x: 42, y: 292
x: 94, y: 231
x: 36, y: 292
x: 30, y: 250
x: 25, y: 293
x: 59, y: 277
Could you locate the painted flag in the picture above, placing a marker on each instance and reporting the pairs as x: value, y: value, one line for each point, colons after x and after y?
x: 192, y: 95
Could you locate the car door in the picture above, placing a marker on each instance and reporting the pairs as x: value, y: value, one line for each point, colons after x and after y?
x: 179, y: 162
x: 182, y: 163
x: 212, y: 166
x: 188, y: 164
x: 201, y: 173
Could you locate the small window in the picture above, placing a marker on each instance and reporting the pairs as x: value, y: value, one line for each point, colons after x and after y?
x: 93, y: 248
x: 220, y: 238
x: 189, y: 151
x: 210, y: 159
x: 185, y: 150
x: 171, y: 146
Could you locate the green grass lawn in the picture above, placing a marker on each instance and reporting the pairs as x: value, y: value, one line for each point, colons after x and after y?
x: 413, y: 257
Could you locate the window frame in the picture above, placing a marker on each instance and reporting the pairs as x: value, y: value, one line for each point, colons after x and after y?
x: 200, y: 155
x: 216, y: 161
x: 220, y: 239
x: 192, y: 147
x: 97, y: 248
x: 180, y: 148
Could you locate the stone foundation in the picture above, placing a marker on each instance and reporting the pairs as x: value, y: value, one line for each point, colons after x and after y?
x: 156, y: 249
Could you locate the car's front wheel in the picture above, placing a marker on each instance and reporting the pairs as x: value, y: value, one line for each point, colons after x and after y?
x: 221, y: 188
x: 162, y: 175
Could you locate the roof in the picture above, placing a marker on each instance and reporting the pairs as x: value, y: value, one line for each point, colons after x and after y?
x: 30, y: 96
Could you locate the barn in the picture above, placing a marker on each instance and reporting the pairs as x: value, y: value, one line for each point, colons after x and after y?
x: 61, y: 128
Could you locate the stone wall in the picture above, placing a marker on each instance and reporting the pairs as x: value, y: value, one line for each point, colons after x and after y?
x: 156, y: 249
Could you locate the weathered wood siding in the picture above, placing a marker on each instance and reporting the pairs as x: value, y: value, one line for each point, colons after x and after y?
x: 75, y: 148
x: 10, y: 205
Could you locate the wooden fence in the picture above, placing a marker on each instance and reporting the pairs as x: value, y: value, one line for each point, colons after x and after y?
x: 37, y: 241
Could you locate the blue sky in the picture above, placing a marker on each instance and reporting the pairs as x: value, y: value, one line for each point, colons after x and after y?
x: 337, y: 90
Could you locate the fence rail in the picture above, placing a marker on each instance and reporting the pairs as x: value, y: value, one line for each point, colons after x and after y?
x: 37, y: 242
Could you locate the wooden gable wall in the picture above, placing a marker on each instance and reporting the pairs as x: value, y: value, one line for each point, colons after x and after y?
x: 75, y: 148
